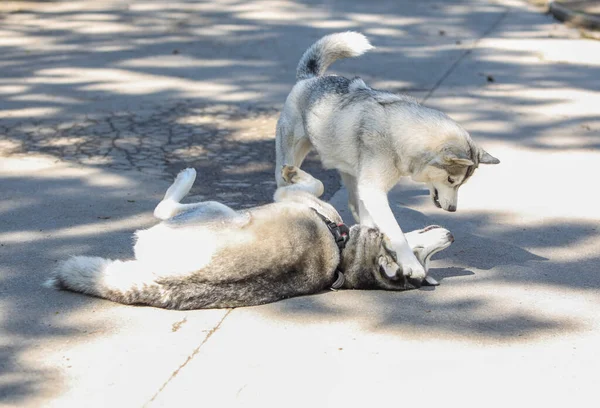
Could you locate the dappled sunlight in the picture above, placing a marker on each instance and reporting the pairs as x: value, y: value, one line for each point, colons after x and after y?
x: 104, y: 102
x: 162, y: 45
x: 13, y: 89
x: 388, y: 21
x: 506, y: 116
x: 27, y: 113
x: 8, y: 207
x: 32, y: 97
x: 468, y: 318
x: 37, y: 233
x: 576, y: 143
x: 251, y: 167
x: 182, y: 61
x: 91, y: 177
x: 544, y: 191
x: 79, y: 230
x: 158, y: 48
x: 128, y: 82
x: 583, y: 249
x: 550, y: 50
x: 517, y: 237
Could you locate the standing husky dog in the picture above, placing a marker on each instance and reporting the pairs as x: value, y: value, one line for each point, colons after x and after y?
x: 207, y: 255
x: 372, y: 138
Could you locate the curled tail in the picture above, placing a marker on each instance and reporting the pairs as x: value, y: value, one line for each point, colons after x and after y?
x: 329, y: 49
x: 128, y: 282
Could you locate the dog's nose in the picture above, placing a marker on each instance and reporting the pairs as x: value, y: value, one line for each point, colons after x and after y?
x: 450, y: 237
x: 452, y: 208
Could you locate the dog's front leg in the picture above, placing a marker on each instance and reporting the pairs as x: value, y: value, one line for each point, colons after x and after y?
x: 374, y: 210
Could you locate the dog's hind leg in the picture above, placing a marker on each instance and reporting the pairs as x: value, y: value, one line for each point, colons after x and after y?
x: 304, y: 189
x: 207, y: 212
x: 291, y: 147
x: 297, y: 180
x: 170, y: 205
x: 181, y: 186
x: 179, y: 214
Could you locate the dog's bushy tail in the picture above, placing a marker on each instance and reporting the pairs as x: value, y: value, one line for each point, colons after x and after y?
x: 128, y: 282
x: 329, y: 49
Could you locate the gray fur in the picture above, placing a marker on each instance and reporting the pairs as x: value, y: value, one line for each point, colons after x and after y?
x: 324, y: 52
x: 373, y: 138
x: 207, y: 255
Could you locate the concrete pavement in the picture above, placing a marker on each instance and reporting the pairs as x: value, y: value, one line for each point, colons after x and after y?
x: 103, y: 102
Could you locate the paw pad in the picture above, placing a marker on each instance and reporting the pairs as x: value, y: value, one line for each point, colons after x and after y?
x: 288, y: 173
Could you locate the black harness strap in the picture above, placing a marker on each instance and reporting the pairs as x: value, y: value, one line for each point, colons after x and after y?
x: 341, y: 234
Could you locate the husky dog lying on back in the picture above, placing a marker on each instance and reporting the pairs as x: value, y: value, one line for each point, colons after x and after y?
x: 372, y: 138
x: 207, y: 255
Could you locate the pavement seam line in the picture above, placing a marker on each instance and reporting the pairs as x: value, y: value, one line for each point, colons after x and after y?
x: 190, y: 357
x: 467, y: 52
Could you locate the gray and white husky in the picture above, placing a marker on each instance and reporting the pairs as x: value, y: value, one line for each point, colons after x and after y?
x: 373, y: 138
x: 207, y: 255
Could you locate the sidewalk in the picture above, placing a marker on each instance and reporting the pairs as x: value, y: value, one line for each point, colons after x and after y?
x: 102, y: 103
x: 584, y: 14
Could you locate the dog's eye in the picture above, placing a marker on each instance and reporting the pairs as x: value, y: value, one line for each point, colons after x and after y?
x: 417, y: 249
x: 451, y: 180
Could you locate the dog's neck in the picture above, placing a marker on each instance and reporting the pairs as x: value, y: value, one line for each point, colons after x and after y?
x: 340, y: 231
x: 352, y: 260
x: 341, y: 235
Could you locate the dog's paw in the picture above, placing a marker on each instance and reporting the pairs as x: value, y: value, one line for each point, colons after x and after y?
x: 295, y: 175
x: 186, y: 175
x: 289, y: 174
x: 416, y: 272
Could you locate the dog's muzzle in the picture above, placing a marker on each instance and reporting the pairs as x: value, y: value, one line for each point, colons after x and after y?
x: 429, y: 228
x: 436, y: 198
x: 436, y: 201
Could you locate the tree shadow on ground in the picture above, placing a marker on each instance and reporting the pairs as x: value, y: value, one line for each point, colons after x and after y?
x: 510, y: 278
x: 116, y: 61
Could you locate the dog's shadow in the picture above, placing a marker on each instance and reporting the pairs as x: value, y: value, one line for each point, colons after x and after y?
x: 486, y: 253
x: 450, y: 272
x: 439, y: 274
x: 469, y: 250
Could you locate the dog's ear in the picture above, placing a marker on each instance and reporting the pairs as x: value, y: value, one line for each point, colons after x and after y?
x: 449, y: 158
x: 460, y: 161
x: 486, y: 158
x: 391, y: 269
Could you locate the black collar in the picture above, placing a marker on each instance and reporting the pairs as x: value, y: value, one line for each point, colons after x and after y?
x: 341, y: 234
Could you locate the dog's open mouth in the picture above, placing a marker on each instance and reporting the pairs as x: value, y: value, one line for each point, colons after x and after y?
x: 429, y: 228
x: 436, y: 198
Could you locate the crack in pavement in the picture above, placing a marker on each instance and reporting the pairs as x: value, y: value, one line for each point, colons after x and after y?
x: 231, y: 146
x: 190, y: 357
x: 465, y: 54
